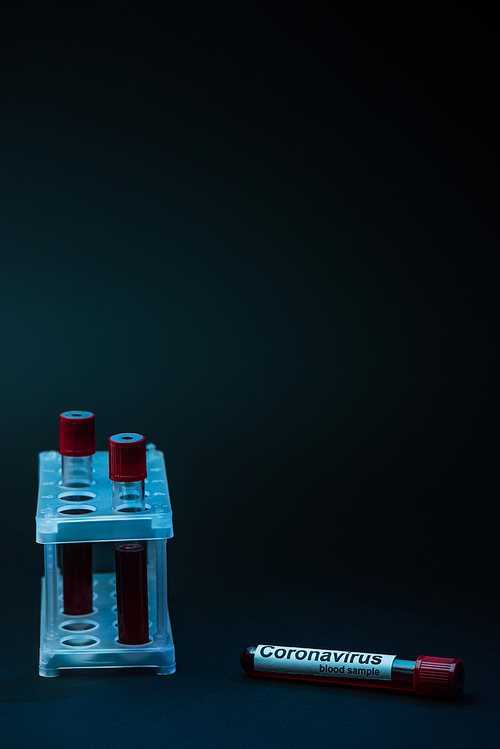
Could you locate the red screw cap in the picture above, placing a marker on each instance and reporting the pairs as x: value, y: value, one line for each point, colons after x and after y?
x: 127, y: 457
x: 77, y: 433
x: 439, y: 677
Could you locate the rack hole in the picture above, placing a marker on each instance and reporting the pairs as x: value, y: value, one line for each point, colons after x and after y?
x: 138, y: 645
x: 72, y: 497
x: 132, y: 508
x: 76, y: 510
x: 79, y: 626
x: 80, y: 642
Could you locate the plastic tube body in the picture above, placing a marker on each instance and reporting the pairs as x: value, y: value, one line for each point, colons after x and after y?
x: 129, y: 496
x: 76, y: 471
x: 405, y: 681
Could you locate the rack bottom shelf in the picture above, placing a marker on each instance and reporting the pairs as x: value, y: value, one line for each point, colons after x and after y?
x: 90, y: 640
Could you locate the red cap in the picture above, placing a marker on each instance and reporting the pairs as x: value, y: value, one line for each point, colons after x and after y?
x: 127, y: 457
x: 440, y: 677
x: 77, y: 433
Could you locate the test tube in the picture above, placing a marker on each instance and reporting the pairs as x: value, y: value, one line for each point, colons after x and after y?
x: 427, y: 675
x: 77, y: 446
x: 127, y: 471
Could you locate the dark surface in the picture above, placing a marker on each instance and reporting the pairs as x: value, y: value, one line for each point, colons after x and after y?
x: 210, y: 701
x: 267, y: 238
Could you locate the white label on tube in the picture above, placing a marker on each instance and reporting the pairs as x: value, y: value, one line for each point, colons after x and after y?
x: 337, y: 664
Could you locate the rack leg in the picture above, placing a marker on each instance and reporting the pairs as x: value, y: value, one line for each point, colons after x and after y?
x: 50, y: 592
x: 160, y: 638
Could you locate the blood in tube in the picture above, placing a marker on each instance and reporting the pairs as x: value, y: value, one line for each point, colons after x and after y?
x: 77, y: 579
x: 131, y: 593
x: 428, y: 675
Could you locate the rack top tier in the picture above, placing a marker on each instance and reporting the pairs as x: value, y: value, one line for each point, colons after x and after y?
x: 95, y: 519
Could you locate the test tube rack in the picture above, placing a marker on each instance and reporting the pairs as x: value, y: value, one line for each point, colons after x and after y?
x: 90, y: 641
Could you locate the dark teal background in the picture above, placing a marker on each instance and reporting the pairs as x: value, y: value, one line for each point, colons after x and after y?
x: 266, y: 237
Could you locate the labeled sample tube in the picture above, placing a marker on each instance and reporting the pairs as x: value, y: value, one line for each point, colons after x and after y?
x: 77, y: 446
x: 437, y: 677
x: 127, y: 471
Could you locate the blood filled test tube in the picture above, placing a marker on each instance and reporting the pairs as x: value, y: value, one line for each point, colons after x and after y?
x: 77, y: 446
x: 428, y: 675
x: 131, y: 592
x: 127, y: 471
